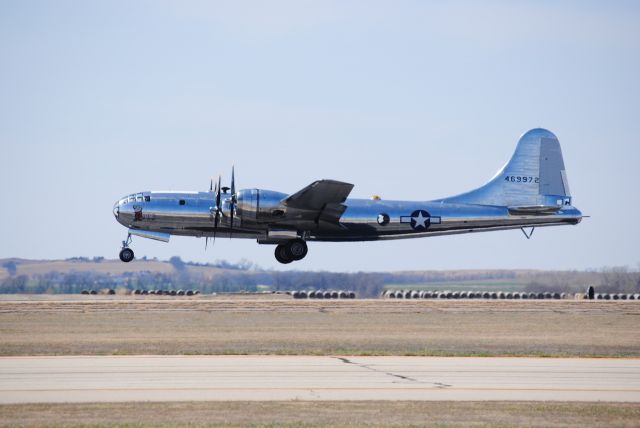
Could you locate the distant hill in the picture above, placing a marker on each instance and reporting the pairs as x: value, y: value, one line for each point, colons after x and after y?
x: 76, y: 274
x: 100, y: 266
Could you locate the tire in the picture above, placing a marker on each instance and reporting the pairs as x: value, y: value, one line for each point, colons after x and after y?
x: 296, y: 249
x: 126, y: 255
x: 281, y: 255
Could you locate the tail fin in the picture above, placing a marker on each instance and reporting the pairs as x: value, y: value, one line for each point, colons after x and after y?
x: 534, y: 177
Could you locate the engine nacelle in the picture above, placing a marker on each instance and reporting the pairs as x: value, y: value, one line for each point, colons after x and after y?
x: 258, y: 206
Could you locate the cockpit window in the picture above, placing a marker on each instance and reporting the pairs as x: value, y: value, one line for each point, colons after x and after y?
x: 132, y: 198
x: 147, y: 198
x: 139, y: 197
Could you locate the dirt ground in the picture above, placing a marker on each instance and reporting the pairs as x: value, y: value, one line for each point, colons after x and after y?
x: 103, y: 325
x: 311, y: 414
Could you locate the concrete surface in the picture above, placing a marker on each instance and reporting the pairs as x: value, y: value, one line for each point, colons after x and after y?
x: 259, y: 378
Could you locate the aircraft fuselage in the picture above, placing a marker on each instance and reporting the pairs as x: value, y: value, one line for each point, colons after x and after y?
x: 530, y: 191
x: 189, y: 214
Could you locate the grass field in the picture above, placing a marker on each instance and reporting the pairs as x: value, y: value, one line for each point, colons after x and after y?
x: 312, y: 414
x: 278, y: 325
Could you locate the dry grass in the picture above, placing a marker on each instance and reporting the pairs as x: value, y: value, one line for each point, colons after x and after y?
x: 40, y: 267
x: 145, y: 325
x: 305, y: 413
x: 113, y: 267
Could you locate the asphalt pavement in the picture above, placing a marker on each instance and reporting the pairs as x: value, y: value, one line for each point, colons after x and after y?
x: 259, y: 378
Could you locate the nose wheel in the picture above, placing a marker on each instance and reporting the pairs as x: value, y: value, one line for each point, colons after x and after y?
x: 126, y: 253
x: 293, y: 250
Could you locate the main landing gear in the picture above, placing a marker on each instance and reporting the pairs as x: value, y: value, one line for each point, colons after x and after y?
x: 126, y: 253
x: 293, y: 250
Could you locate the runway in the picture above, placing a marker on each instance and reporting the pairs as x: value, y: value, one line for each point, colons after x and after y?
x: 260, y: 378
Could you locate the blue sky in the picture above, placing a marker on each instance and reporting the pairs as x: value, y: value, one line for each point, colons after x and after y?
x: 408, y: 100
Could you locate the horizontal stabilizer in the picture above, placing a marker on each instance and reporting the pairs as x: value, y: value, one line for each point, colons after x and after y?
x: 534, y: 210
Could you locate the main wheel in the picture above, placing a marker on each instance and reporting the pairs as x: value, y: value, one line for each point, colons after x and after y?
x: 296, y: 249
x: 281, y: 254
x: 126, y: 255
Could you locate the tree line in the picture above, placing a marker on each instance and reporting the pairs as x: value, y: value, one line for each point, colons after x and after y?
x: 245, y: 276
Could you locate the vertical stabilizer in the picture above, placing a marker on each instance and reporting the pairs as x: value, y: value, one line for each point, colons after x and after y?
x: 535, y: 176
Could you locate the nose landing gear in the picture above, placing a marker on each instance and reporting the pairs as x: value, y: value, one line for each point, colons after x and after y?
x: 293, y: 250
x: 126, y: 253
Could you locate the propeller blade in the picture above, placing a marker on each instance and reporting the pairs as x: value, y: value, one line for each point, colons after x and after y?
x: 218, y: 189
x: 216, y: 218
x: 233, y: 198
x: 206, y: 242
x: 233, y: 182
x: 211, y: 185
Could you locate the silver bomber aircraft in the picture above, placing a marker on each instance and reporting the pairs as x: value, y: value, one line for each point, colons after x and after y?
x: 530, y: 191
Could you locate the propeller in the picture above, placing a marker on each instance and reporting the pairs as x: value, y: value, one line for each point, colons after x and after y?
x: 216, y: 212
x: 234, y: 200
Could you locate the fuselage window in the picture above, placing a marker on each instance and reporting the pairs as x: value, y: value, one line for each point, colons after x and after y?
x: 139, y: 198
x: 182, y: 202
x: 147, y: 198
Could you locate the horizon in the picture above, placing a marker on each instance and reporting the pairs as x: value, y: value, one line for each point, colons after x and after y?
x: 253, y: 266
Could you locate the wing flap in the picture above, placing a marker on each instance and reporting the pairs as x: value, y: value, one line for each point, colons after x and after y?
x: 324, y: 198
x: 318, y: 194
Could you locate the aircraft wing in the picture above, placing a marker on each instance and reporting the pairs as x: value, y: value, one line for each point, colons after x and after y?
x: 324, y: 197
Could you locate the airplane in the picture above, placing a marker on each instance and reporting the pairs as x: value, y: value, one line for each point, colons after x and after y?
x: 530, y: 191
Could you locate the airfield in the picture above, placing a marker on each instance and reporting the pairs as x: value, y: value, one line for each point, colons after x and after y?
x: 272, y: 359
x: 279, y: 325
